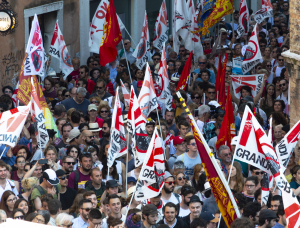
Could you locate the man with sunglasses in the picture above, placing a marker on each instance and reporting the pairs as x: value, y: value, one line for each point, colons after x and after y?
x: 277, y: 69
x: 66, y: 194
x: 202, y: 65
x: 127, y: 53
x: 284, y: 87
x: 167, y: 194
x: 81, y: 221
x: 225, y: 157
x: 256, y: 172
x: 100, y: 90
x: 68, y: 163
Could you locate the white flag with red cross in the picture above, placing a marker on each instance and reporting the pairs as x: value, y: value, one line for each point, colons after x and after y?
x: 243, y: 27
x: 152, y: 175
x: 58, y: 49
x: 265, y: 12
x: 161, y: 28
x: 126, y: 94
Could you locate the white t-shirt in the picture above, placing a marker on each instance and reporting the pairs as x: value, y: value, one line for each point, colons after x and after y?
x: 10, y: 185
x: 200, y: 125
x: 184, y: 212
x: 172, y: 199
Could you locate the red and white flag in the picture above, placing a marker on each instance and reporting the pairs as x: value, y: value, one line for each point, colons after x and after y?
x: 34, y: 63
x: 97, y: 26
x: 147, y: 97
x: 38, y: 119
x: 243, y: 27
x: 285, y: 147
x: 152, y: 175
x: 265, y: 12
x: 136, y: 125
x: 141, y: 52
x: 118, y: 145
x: 266, y: 185
x: 58, y: 49
x: 11, y: 124
x: 126, y: 94
x: 252, y: 55
x: 161, y: 28
x: 253, y: 81
x: 180, y: 22
x: 270, y: 135
x: 164, y: 95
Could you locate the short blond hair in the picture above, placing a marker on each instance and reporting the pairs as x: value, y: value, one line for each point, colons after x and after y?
x: 30, y: 183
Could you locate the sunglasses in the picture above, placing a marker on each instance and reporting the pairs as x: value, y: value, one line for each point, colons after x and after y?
x: 93, y: 102
x: 171, y: 64
x: 195, y: 97
x: 202, y: 63
x: 63, y: 178
x: 156, y: 59
x: 228, y: 71
x: 170, y: 182
x: 95, y: 64
x: 69, y: 163
x: 19, y: 217
x: 92, y: 136
x: 280, y: 60
x: 257, y: 173
x: 282, y: 84
x: 193, y: 144
x: 180, y: 178
x: 8, y: 91
x: 229, y: 154
x: 181, y: 50
x: 104, y: 128
x: 211, y: 92
x: 126, y: 43
x: 99, y: 87
x: 104, y: 111
x: 26, y: 170
x: 269, y: 65
x: 87, y: 209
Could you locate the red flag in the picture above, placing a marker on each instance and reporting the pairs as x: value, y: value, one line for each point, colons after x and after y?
x: 111, y: 36
x: 227, y: 130
x: 185, y: 73
x: 219, y: 186
x: 222, y: 96
x: 217, y: 85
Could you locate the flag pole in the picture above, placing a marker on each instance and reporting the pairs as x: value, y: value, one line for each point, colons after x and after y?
x: 129, y: 36
x: 213, y: 160
x: 204, y: 98
x: 127, y: 161
x: 129, y: 204
x: 126, y: 62
x: 3, y: 151
x: 160, y: 132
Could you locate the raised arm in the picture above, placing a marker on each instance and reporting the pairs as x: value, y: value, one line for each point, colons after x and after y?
x: 257, y: 97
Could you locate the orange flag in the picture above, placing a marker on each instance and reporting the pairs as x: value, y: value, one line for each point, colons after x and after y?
x: 227, y: 130
x: 219, y: 186
x: 222, y: 96
x: 185, y: 73
x: 111, y: 36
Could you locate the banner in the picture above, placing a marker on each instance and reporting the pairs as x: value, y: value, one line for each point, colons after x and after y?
x: 58, y: 49
x: 243, y: 27
x: 266, y: 184
x: 38, y: 119
x: 285, y: 147
x: 253, y: 81
x: 164, y: 95
x: 152, y: 176
x: 252, y: 55
x: 34, y: 63
x: 161, y: 28
x: 126, y: 94
x: 219, y: 186
x: 270, y: 135
x: 147, y: 97
x: 118, y: 145
x: 185, y: 73
x: 141, y: 52
x: 97, y: 26
x: 227, y: 130
x: 111, y: 36
x: 11, y: 124
x: 265, y: 12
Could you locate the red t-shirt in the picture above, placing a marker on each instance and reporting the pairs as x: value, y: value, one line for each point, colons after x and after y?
x: 75, y: 74
x: 110, y: 88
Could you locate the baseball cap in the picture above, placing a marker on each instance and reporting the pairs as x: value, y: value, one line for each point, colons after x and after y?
x: 266, y: 213
x: 92, y: 107
x: 178, y: 140
x: 167, y: 175
x: 195, y: 198
x: 149, y: 209
x: 234, y: 141
x: 208, y: 217
x: 247, y: 98
x: 131, y: 179
x: 50, y: 176
x: 60, y: 173
x: 73, y: 134
x: 111, y: 184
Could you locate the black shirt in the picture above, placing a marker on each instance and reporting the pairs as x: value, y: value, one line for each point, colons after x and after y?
x: 67, y: 198
x: 179, y: 224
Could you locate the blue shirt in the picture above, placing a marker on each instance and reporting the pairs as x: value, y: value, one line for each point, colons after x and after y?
x: 189, y: 163
x: 277, y: 225
x: 79, y: 223
x: 212, y: 78
x: 70, y: 103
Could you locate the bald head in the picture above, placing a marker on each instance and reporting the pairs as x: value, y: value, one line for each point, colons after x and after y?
x: 127, y: 44
x: 86, y: 133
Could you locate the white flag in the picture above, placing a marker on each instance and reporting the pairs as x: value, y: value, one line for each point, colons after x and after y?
x: 161, y: 28
x: 152, y: 175
x: 252, y: 55
x: 265, y: 12
x: 243, y: 26
x: 58, y: 49
x: 126, y: 94
x: 34, y: 63
x: 141, y: 52
x: 96, y: 27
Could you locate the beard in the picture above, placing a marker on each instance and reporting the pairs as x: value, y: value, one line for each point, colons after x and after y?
x: 168, y: 191
x: 89, y: 142
x: 105, y: 134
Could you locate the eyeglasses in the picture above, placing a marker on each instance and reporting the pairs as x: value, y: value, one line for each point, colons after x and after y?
x: 193, y: 144
x: 211, y: 92
x: 229, y: 154
x: 171, y: 64
x: 228, y: 71
x: 280, y: 60
x: 202, y: 63
x: 257, y: 173
x: 12, y: 200
x: 181, y: 50
x: 180, y: 178
x: 69, y: 163
x: 23, y: 162
x: 63, y: 178
x: 39, y: 220
x: 104, y: 111
x: 92, y: 136
x: 19, y: 217
x: 95, y: 64
x: 282, y: 84
x: 269, y: 65
x: 104, y: 128
x: 126, y: 43
x: 87, y: 209
x: 26, y: 170
x: 99, y: 87
x: 170, y: 182
x: 156, y: 59
x: 195, y: 97
x: 249, y: 186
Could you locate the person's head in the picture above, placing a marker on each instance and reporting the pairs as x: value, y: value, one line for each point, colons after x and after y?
x: 149, y: 213
x: 50, y: 178
x: 204, y: 112
x: 156, y: 58
x: 54, y: 206
x: 275, y: 202
x: 236, y: 171
x: 195, y: 206
x: 169, y: 183
x: 42, y: 217
x: 202, y: 62
x: 284, y: 85
x: 80, y: 95
x: 30, y: 183
x: 74, y: 152
x: 91, y: 195
x: 278, y: 132
x: 251, y: 211
x: 242, y: 222
x: 95, y: 218
x: 224, y: 153
x: 250, y: 184
x: 114, y: 203
x: 150, y: 128
x: 21, y: 150
x: 65, y: 129
x: 20, y: 162
x: 127, y: 45
x: 280, y: 60
x: 96, y: 176
x: 112, y: 187
x: 104, y: 111
x: 179, y: 144
x: 256, y: 172
x: 267, y: 218
x: 183, y: 127
x: 169, y: 116
x: 68, y: 162
x: 7, y: 201
x: 187, y: 192
x: 88, y: 137
x: 180, y: 178
x: 170, y: 212
x: 8, y: 90
x: 191, y: 143
x: 50, y: 153
x: 18, y: 214
x: 295, y: 171
x: 211, y: 93
x: 278, y: 106
x: 85, y: 207
x: 85, y: 160
x: 22, y: 204
x: 48, y: 83
x: 64, y: 220
x: 198, y: 223
x: 63, y: 177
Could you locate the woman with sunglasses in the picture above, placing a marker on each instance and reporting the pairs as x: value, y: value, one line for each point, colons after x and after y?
x: 65, y: 94
x: 18, y: 214
x: 267, y: 101
x: 236, y: 181
x: 104, y: 111
x: 180, y: 178
x: 196, y: 97
x: 7, y: 202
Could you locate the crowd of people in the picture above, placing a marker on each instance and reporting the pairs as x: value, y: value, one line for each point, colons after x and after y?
x: 69, y: 184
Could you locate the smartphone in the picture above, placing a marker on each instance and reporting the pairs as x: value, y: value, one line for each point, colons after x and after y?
x: 196, y: 112
x: 44, y: 161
